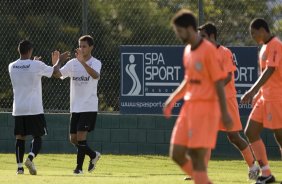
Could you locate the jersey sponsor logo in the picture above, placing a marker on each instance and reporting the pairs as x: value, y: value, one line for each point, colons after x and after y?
x: 82, y: 78
x: 21, y: 66
x: 148, y: 74
x: 194, y: 81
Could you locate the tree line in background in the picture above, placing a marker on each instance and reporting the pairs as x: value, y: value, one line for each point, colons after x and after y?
x: 57, y: 25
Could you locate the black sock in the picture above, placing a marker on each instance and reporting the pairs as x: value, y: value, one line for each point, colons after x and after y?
x: 79, y: 157
x: 87, y: 150
x: 20, y: 148
x: 35, y: 147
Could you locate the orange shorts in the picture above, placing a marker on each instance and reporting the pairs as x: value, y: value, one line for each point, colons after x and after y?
x: 268, y: 113
x: 197, y: 125
x: 233, y: 110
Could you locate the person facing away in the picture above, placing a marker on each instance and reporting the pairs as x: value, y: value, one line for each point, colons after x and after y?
x: 266, y: 96
x: 84, y: 73
x: 26, y: 75
x: 209, y: 32
x: 202, y: 89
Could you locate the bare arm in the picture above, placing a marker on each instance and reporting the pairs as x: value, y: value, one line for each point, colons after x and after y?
x: 174, y: 97
x: 57, y: 65
x: 94, y: 74
x: 248, y: 96
x: 219, y: 85
x: 228, y: 78
x: 90, y: 71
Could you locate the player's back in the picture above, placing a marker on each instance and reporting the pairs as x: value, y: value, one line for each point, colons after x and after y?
x: 228, y: 64
x: 26, y: 81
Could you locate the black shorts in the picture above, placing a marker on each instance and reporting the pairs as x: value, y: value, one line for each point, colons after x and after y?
x: 34, y: 125
x: 82, y: 121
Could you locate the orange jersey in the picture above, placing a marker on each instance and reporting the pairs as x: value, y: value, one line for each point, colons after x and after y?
x: 271, y: 56
x: 202, y: 70
x: 228, y: 64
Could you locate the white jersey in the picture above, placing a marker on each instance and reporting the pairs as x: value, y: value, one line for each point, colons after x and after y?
x: 26, y: 81
x: 83, y: 88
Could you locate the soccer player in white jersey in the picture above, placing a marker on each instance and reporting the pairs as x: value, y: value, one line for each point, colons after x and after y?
x: 84, y: 73
x: 26, y: 77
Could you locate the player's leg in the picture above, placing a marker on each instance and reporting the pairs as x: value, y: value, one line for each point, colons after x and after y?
x: 179, y: 154
x: 178, y: 142
x: 80, y: 155
x: 199, y: 166
x: 19, y: 132
x: 86, y: 124
x: 278, y: 138
x: 20, y: 149
x: 242, y: 145
x: 252, y: 132
x: 36, y: 126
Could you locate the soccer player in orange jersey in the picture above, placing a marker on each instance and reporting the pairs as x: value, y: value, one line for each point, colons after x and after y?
x: 202, y: 89
x: 209, y: 31
x: 266, y: 95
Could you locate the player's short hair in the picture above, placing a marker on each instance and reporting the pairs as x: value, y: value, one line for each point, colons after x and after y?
x: 25, y: 46
x: 185, y: 18
x: 258, y: 23
x: 209, y: 28
x: 89, y: 39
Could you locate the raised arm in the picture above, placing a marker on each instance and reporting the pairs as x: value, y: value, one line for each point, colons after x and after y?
x: 94, y: 74
x: 57, y: 61
x: 248, y: 96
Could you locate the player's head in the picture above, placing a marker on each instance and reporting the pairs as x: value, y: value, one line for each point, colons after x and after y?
x: 208, y: 31
x: 25, y: 47
x: 259, y: 29
x: 86, y: 44
x: 184, y: 24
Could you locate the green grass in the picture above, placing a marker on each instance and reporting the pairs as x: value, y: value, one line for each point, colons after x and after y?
x: 121, y: 169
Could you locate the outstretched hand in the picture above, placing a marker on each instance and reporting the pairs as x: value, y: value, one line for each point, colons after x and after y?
x: 55, y: 57
x: 247, y: 97
x: 37, y: 58
x: 65, y: 56
x: 167, y: 109
x: 78, y: 55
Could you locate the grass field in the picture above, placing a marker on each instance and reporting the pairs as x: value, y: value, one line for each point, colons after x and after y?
x: 121, y: 169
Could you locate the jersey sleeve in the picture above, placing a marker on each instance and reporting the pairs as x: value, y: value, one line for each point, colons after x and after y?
x: 45, y: 70
x: 229, y: 62
x: 66, y: 70
x: 214, y: 65
x: 274, y: 55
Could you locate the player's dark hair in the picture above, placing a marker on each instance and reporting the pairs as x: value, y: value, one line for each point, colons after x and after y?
x: 88, y: 39
x: 209, y: 28
x: 185, y: 18
x: 258, y: 23
x: 25, y: 46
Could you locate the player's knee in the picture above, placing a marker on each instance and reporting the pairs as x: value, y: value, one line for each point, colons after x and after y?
x: 233, y: 138
x: 177, y: 157
x: 73, y: 140
x: 37, y: 139
x: 248, y: 133
x: 278, y: 137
